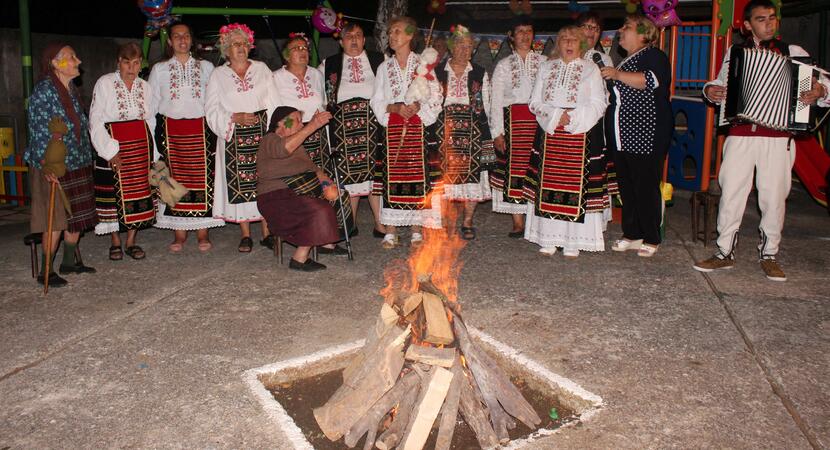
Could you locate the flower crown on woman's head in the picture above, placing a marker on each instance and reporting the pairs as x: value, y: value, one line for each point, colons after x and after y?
x: 459, y: 31
x: 298, y: 35
x: 226, y: 30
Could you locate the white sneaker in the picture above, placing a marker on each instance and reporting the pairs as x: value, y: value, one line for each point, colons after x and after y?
x: 647, y: 250
x: 570, y: 252
x: 416, y: 238
x: 390, y: 241
x: 547, y: 251
x: 622, y: 245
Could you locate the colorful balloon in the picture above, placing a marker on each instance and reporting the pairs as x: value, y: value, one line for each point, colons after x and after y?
x: 158, y: 14
x: 324, y: 20
x: 661, y: 12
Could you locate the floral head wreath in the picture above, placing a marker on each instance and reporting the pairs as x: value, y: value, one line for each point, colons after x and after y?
x: 298, y: 35
x: 459, y: 31
x: 226, y: 31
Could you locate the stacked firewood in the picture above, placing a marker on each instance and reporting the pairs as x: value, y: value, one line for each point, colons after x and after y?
x: 419, y: 369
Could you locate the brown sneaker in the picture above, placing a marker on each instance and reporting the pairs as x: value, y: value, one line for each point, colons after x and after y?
x: 773, y: 270
x: 716, y: 262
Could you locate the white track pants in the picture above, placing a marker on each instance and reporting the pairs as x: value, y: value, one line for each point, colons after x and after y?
x: 771, y: 162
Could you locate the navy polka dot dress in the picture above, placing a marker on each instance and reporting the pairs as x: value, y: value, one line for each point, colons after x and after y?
x: 640, y: 121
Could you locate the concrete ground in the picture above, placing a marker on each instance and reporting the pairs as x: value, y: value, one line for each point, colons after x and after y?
x: 150, y: 353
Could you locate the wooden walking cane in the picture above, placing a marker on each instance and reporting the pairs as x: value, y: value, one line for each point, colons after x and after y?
x: 48, y: 247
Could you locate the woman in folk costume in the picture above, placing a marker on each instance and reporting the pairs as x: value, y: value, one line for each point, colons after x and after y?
x: 512, y: 124
x: 463, y: 128
x: 404, y: 174
x: 240, y: 100
x: 54, y: 96
x: 184, y: 139
x: 354, y: 130
x: 568, y: 99
x: 121, y: 118
x: 301, y: 87
x: 590, y: 23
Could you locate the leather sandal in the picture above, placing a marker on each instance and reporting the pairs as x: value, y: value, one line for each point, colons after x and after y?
x: 135, y: 252
x: 115, y: 253
x: 246, y: 244
x: 468, y: 233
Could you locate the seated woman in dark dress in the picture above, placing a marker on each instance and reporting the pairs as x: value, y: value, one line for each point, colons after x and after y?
x: 303, y: 220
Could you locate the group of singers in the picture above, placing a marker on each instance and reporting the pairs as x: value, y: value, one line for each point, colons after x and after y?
x: 548, y: 139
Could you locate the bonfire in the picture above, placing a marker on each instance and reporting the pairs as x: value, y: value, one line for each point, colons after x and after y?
x: 420, y: 368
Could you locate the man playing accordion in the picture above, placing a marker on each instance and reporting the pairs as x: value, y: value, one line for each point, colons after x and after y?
x: 750, y: 147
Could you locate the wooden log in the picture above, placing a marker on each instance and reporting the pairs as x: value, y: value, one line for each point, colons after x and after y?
x: 411, y: 302
x: 365, y: 385
x: 495, y: 385
x: 370, y: 421
x: 449, y: 412
x: 393, y: 435
x: 434, y: 356
x: 430, y: 399
x: 386, y: 319
x: 475, y: 415
x: 425, y: 284
x: 438, y: 329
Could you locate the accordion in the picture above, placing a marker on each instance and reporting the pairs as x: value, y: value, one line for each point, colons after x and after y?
x: 763, y: 87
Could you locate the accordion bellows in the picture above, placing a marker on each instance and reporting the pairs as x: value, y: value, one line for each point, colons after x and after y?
x: 763, y: 87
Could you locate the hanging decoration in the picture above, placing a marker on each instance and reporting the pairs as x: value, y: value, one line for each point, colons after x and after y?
x: 539, y: 45
x: 325, y: 20
x: 436, y: 6
x: 575, y: 8
x: 520, y: 7
x: 157, y: 13
x: 662, y: 12
x: 630, y: 5
x: 494, y: 44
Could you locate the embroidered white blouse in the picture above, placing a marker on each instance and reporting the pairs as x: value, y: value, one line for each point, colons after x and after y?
x: 227, y: 93
x: 575, y: 86
x: 113, y: 102
x: 356, y: 78
x: 391, y: 84
x: 457, y: 88
x: 513, y: 80
x: 308, y: 94
x: 181, y: 88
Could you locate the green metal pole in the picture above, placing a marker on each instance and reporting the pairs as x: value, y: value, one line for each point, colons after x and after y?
x: 145, y: 50
x: 26, y: 50
x: 315, y: 56
x: 188, y: 10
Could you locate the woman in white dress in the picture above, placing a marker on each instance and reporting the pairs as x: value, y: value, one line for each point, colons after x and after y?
x: 184, y: 140
x: 240, y: 100
x: 121, y: 118
x: 463, y: 129
x: 403, y: 178
x: 512, y: 124
x: 568, y: 99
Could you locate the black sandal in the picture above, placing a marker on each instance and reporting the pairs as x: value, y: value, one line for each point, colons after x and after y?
x: 468, y: 233
x: 115, y: 253
x: 269, y: 241
x: 135, y: 252
x: 246, y: 244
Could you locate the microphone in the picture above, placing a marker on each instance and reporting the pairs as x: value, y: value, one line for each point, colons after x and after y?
x: 597, y: 58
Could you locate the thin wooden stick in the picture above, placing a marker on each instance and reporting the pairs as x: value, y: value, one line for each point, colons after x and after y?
x: 48, y: 248
x: 429, y: 36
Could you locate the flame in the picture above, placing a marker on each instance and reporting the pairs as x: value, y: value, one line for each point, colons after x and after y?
x: 437, y: 256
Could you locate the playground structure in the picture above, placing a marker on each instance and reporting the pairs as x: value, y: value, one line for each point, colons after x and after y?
x: 695, y: 48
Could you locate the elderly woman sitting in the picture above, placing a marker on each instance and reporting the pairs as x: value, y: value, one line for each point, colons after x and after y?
x: 304, y: 220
